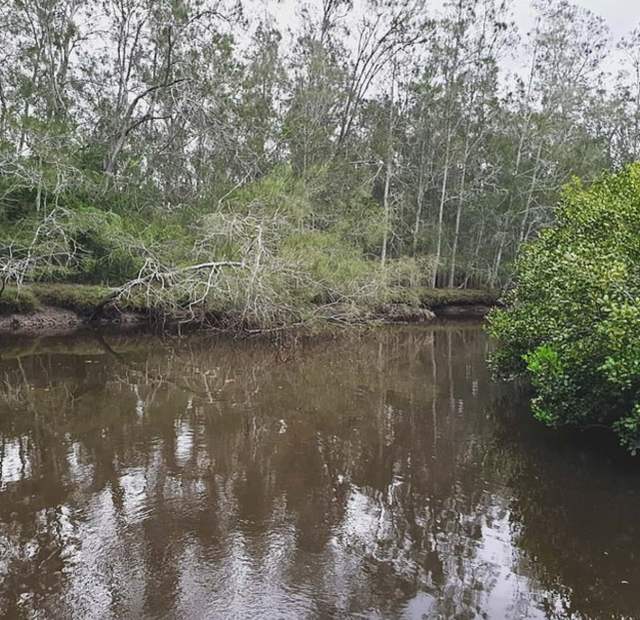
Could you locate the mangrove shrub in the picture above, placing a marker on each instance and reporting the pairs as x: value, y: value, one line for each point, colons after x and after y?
x: 572, y: 322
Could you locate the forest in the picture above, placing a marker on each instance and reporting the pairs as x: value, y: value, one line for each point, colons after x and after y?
x: 205, y: 156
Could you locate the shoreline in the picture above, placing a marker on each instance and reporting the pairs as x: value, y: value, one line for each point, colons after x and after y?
x: 65, y: 317
x: 58, y: 321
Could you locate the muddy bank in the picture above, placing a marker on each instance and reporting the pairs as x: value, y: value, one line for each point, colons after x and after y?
x: 64, y: 309
x: 50, y: 320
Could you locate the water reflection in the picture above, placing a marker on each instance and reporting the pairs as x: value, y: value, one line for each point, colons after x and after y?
x: 380, y: 475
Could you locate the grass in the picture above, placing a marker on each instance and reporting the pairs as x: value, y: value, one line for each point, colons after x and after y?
x: 18, y: 301
x: 80, y: 298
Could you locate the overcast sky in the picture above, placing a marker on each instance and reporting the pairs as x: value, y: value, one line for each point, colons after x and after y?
x: 621, y: 15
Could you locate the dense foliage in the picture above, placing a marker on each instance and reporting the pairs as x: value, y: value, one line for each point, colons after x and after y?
x: 573, y: 320
x: 197, y: 154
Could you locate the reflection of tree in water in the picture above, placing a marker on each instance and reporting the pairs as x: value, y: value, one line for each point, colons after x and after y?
x: 340, y: 476
x: 575, y: 510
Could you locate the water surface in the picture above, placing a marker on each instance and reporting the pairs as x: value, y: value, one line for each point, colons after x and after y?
x: 380, y: 475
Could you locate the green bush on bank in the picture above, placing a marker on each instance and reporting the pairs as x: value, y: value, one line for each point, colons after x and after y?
x: 334, y: 268
x: 572, y: 324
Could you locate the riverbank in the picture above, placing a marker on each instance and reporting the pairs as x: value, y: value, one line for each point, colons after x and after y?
x: 65, y: 308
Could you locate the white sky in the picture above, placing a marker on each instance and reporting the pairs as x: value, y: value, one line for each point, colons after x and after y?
x: 621, y: 15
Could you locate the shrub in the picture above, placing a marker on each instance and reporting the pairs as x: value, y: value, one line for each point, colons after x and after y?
x: 104, y: 246
x: 335, y: 269
x: 572, y: 322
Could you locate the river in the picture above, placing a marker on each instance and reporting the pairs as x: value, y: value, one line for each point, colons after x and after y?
x: 377, y: 474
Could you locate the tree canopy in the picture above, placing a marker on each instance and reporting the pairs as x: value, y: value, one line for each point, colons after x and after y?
x: 140, y: 138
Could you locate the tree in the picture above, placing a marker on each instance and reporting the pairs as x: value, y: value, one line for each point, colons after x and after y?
x: 572, y: 324
x: 388, y: 129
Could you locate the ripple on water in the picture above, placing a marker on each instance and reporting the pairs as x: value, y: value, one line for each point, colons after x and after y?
x: 383, y: 476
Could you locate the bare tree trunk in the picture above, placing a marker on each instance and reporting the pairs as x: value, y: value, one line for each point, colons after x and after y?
x: 387, y: 212
x: 3, y: 111
x: 476, y: 255
x: 387, y: 179
x: 443, y: 197
x: 498, y: 261
x: 456, y: 234
x: 420, y: 198
x: 416, y: 226
x: 128, y: 122
x: 534, y: 180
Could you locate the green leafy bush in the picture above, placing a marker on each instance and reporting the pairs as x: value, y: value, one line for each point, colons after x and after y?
x: 572, y: 322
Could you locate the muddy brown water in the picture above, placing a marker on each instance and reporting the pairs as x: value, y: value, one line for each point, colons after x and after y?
x: 378, y: 475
